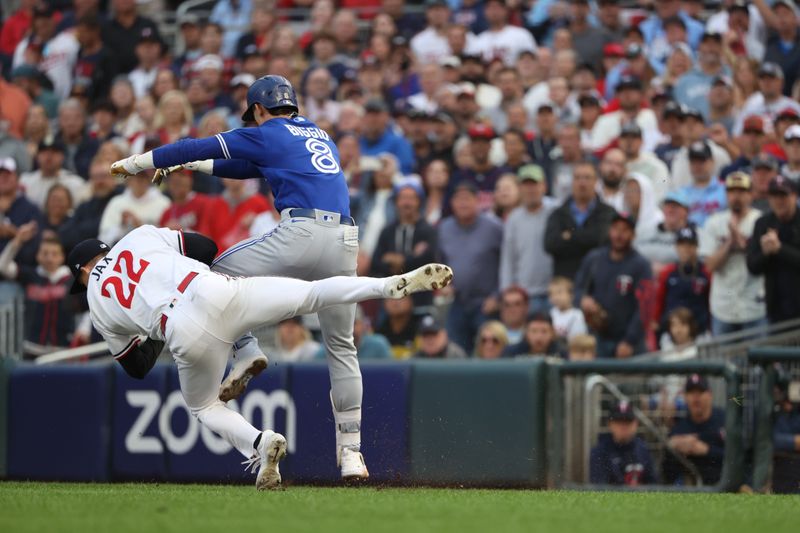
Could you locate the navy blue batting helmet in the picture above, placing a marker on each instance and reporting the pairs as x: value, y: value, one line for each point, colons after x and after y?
x: 272, y: 92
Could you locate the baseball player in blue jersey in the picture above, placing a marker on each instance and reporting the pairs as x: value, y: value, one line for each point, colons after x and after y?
x: 315, y: 239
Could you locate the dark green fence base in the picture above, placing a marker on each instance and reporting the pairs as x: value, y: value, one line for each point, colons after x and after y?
x: 478, y: 424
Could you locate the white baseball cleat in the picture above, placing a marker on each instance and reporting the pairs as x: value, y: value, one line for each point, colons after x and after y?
x: 352, y: 465
x: 241, y: 373
x: 426, y: 278
x: 271, y: 450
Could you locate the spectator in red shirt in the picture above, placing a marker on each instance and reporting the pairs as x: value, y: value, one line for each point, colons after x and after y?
x: 16, y: 26
x: 189, y: 210
x: 232, y: 213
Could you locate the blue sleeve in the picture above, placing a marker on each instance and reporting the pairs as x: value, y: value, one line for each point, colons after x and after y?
x: 583, y: 280
x: 782, y: 436
x: 405, y: 155
x: 649, y: 476
x: 680, y: 428
x: 238, y: 169
x: 694, y: 31
x: 635, y: 331
x: 242, y: 143
x: 598, y: 468
x: 539, y: 13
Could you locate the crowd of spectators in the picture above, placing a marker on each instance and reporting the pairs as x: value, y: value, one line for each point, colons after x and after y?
x: 605, y: 178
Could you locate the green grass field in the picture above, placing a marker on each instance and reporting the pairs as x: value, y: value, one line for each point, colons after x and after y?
x: 52, y: 507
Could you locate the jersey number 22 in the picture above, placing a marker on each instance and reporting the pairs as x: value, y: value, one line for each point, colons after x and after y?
x: 133, y: 277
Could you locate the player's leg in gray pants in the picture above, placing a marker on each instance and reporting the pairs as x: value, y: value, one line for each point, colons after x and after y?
x: 309, y: 250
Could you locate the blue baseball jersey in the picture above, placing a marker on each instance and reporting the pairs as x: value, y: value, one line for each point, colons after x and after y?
x: 298, y: 159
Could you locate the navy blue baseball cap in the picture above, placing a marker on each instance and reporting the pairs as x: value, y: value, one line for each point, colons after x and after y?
x: 79, y: 256
x: 781, y: 185
x: 429, y: 325
x: 687, y: 234
x: 623, y: 216
x: 696, y: 382
x: 700, y: 150
x: 621, y: 412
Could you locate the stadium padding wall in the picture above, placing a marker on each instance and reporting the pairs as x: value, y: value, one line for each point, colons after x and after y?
x: 436, y: 416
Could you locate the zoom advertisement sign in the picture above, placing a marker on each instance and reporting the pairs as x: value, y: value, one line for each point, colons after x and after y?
x: 142, y: 429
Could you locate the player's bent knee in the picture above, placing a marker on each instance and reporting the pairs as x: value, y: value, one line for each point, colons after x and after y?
x: 200, y: 412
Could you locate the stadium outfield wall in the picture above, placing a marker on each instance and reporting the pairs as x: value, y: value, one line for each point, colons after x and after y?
x: 471, y: 423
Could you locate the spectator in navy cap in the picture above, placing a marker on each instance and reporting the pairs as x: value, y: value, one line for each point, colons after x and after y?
x: 630, y: 95
x: 774, y: 251
x: 706, y: 195
x: 764, y: 169
x: 434, y: 342
x: 684, y: 283
x: 607, y: 289
x: 769, y: 100
x: 699, y: 437
x: 621, y: 456
x: 694, y: 129
x: 783, y: 46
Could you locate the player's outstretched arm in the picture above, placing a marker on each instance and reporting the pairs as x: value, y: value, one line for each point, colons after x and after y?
x: 244, y: 144
x: 140, y: 360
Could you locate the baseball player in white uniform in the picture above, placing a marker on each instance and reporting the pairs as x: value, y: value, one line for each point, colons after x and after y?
x: 151, y: 289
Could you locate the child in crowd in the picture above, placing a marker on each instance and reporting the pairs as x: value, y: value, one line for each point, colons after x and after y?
x: 568, y: 321
x: 681, y: 335
x: 685, y: 283
x: 49, y: 319
x: 582, y: 347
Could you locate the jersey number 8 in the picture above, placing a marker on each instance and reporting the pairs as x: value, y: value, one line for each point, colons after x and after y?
x: 322, y: 157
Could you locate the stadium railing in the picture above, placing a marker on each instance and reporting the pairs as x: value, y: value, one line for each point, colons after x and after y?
x: 12, y: 316
x: 767, y: 358
x: 580, y: 393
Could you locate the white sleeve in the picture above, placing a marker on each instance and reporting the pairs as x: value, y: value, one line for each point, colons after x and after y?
x: 708, y: 237
x: 172, y: 238
x: 8, y: 268
x: 578, y: 326
x: 109, y: 230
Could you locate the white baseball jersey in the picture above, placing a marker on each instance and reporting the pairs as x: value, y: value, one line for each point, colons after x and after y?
x: 129, y: 288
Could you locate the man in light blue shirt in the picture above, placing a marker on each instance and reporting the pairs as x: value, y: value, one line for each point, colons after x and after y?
x: 693, y: 87
x: 377, y: 136
x: 234, y: 17
x: 706, y: 195
x: 653, y: 27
